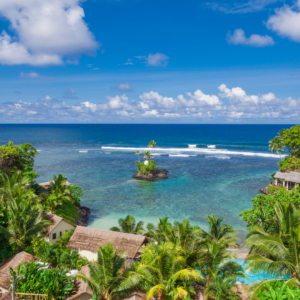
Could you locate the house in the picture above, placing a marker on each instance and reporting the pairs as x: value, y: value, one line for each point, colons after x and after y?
x: 12, y: 262
x: 58, y: 228
x: 87, y: 240
x: 288, y: 180
x: 81, y: 291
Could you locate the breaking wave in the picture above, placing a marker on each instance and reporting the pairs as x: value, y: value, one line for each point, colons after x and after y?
x: 192, y: 150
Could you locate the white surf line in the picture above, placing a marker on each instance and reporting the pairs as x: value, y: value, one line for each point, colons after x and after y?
x: 195, y: 150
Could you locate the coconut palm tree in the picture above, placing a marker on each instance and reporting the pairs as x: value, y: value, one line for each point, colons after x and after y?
x: 215, y: 260
x: 278, y: 252
x: 15, y: 185
x: 26, y: 220
x: 161, y: 233
x: 147, y: 154
x: 217, y: 232
x: 138, y: 154
x: 276, y: 145
x: 152, y: 144
x: 59, y: 192
x: 106, y: 273
x: 222, y: 289
x: 129, y: 225
x: 161, y: 273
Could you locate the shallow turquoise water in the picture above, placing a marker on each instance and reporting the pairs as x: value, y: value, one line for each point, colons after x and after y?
x: 202, y: 181
x: 254, y: 277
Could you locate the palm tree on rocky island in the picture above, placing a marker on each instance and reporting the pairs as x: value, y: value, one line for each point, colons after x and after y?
x: 138, y: 154
x: 152, y: 144
x: 276, y: 145
x: 129, y: 225
x: 147, y: 154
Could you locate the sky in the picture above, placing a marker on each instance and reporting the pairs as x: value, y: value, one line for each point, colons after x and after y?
x: 138, y: 61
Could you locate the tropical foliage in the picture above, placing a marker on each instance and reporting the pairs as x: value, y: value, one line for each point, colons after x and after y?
x: 263, y: 210
x: 129, y: 225
x: 105, y: 274
x: 149, y: 167
x: 222, y: 289
x: 36, y: 279
x: 22, y: 202
x: 162, y: 273
x: 276, y: 290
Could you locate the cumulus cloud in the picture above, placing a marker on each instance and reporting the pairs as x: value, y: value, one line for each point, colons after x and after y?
x: 255, y: 40
x: 157, y: 60
x: 286, y: 22
x: 46, y: 32
x: 231, y: 104
x: 123, y: 87
x: 34, y: 75
x: 47, y: 98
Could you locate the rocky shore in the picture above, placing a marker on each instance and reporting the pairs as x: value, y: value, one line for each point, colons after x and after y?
x: 264, y: 190
x: 152, y: 176
x: 84, y: 213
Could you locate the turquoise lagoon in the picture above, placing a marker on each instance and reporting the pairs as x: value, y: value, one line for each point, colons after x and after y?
x: 218, y: 180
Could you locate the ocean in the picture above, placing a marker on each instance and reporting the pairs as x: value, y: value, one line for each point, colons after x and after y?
x: 213, y: 169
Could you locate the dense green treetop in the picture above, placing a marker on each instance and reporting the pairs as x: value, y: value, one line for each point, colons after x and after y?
x: 263, y: 210
x: 13, y: 157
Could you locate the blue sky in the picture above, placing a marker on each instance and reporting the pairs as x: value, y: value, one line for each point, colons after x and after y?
x: 133, y: 61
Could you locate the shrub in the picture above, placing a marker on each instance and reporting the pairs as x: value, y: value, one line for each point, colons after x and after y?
x: 145, y: 169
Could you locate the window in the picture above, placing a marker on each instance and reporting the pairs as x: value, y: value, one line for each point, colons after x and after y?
x: 60, y: 233
x: 54, y: 236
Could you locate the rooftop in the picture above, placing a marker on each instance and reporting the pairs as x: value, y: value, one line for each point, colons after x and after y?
x: 291, y: 177
x: 90, y: 239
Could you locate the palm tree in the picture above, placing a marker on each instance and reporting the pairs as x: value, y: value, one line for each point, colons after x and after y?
x: 15, y: 185
x: 215, y: 260
x: 222, y: 289
x: 276, y: 144
x: 184, y: 236
x: 59, y: 192
x: 26, y: 221
x: 217, y: 232
x: 278, y: 252
x: 138, y: 154
x: 161, y: 273
x: 161, y: 233
x: 106, y: 273
x: 152, y: 144
x: 129, y: 225
x: 147, y: 154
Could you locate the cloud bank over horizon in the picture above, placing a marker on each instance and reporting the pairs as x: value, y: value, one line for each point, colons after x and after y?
x: 229, y: 105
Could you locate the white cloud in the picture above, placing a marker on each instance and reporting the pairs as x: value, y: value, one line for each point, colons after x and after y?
x: 236, y: 105
x: 157, y: 60
x: 255, y: 40
x: 286, y: 22
x: 124, y: 87
x: 46, y: 32
x: 34, y: 75
x: 47, y: 98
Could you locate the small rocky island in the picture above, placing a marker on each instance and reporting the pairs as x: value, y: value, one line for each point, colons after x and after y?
x: 152, y: 176
x: 147, y: 168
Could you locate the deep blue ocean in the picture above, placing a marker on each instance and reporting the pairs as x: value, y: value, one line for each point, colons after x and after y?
x: 214, y: 169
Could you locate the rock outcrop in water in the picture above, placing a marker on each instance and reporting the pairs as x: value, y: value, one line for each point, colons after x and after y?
x: 152, y: 176
x: 264, y: 190
x: 84, y: 213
